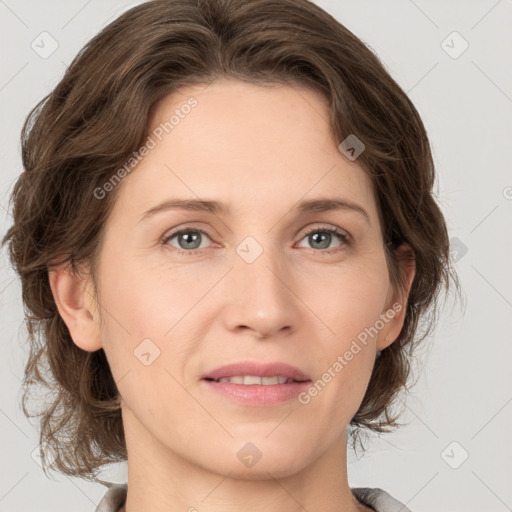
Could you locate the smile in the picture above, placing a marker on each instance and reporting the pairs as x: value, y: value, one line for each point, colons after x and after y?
x: 252, y: 380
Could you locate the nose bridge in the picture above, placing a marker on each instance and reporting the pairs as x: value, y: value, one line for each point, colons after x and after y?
x: 262, y: 269
x: 260, y: 295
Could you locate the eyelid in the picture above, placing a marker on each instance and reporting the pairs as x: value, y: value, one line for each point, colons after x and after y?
x: 337, y: 229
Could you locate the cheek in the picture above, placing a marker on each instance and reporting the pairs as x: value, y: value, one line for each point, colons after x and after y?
x: 147, y: 300
x: 152, y: 319
x: 347, y: 299
x: 349, y: 303
x: 145, y: 341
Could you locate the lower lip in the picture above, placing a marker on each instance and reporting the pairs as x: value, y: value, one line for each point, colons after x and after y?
x: 258, y: 395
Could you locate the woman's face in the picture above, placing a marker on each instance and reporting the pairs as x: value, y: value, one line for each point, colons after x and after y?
x: 245, y: 284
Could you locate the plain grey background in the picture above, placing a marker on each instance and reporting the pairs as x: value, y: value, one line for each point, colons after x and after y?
x: 453, y: 59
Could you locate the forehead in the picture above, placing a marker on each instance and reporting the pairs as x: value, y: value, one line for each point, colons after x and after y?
x: 258, y: 146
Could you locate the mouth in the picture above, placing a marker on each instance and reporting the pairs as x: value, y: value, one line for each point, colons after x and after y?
x: 256, y: 372
x: 255, y: 380
x: 257, y: 384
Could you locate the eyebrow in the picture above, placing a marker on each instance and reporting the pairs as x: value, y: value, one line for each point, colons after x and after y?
x: 218, y: 208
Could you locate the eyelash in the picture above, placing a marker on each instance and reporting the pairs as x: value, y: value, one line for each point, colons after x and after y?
x: 333, y: 231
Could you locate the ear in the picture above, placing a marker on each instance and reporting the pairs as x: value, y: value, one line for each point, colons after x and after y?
x: 73, y: 295
x: 396, y: 305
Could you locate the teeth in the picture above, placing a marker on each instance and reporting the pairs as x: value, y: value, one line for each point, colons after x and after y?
x: 251, y: 380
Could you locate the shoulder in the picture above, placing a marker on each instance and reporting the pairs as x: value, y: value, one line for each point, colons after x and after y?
x: 379, y: 500
x: 113, y: 499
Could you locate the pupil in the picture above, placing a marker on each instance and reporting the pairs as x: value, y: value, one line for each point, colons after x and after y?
x: 325, y: 236
x: 191, y: 235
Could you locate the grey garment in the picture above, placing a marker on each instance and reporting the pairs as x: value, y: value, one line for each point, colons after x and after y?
x: 114, y: 498
x: 377, y: 499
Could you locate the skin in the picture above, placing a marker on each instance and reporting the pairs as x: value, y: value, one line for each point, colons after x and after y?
x: 260, y: 150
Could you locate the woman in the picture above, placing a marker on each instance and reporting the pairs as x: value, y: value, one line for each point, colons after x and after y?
x: 227, y: 239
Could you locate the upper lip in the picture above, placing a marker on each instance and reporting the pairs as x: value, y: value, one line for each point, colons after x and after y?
x: 257, y: 369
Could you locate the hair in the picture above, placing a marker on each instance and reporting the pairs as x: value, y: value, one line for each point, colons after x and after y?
x: 77, y: 137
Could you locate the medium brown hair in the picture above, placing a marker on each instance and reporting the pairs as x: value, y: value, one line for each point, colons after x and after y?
x: 82, y: 133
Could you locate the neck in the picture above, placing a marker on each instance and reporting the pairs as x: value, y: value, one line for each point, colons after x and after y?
x: 162, y: 481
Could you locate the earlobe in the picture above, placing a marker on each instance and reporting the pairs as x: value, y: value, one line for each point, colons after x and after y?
x: 75, y: 302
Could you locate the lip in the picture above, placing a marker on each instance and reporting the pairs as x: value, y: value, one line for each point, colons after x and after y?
x: 257, y: 395
x: 257, y: 369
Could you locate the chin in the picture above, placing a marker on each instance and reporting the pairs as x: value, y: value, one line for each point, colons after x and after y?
x: 273, y: 467
x: 258, y: 458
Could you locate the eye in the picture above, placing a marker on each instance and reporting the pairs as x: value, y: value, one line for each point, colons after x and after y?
x: 188, y: 239
x: 321, y: 238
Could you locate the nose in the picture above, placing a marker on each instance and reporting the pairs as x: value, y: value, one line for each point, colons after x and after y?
x: 260, y: 297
